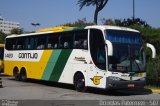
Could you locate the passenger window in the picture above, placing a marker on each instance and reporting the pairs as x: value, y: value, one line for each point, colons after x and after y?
x: 66, y: 40
x: 41, y: 42
x: 80, y: 41
x: 32, y: 43
x: 27, y: 43
x: 53, y: 41
x: 10, y: 44
x: 20, y: 43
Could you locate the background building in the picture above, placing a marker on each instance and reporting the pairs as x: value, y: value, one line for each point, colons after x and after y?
x: 7, y: 26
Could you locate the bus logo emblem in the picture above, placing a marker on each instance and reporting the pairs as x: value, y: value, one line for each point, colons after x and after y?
x: 96, y: 79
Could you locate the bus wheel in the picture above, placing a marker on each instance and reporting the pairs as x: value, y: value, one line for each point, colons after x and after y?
x: 16, y: 74
x: 79, y: 83
x: 23, y: 75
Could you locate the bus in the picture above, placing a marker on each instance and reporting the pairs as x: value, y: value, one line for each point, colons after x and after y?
x: 105, y: 57
x: 1, y: 58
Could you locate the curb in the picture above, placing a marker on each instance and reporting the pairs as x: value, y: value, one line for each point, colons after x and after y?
x: 149, y: 90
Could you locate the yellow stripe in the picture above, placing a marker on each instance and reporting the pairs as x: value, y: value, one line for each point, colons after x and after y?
x: 34, y: 69
x: 55, y: 29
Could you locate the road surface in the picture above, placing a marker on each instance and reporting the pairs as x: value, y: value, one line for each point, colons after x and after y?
x: 53, y: 94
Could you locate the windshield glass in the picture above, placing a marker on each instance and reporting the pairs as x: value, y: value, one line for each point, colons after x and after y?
x: 125, y: 37
x: 128, y: 53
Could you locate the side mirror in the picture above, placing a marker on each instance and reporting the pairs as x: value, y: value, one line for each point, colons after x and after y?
x: 110, y: 47
x: 153, y: 49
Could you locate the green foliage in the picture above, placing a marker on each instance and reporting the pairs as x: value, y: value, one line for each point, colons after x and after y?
x: 153, y: 71
x: 99, y: 4
x: 79, y: 23
x: 17, y: 31
x: 2, y: 37
x: 125, y: 22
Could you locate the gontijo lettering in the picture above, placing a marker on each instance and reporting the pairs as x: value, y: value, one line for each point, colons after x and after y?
x: 28, y: 55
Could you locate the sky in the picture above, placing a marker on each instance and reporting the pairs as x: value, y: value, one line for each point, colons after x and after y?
x: 50, y: 13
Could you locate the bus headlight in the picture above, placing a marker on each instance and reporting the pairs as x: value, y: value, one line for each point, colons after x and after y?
x: 114, y: 78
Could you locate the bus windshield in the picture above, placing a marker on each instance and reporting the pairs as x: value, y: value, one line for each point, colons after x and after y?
x: 128, y: 53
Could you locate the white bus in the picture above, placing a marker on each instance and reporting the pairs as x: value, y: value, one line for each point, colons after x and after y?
x: 106, y: 57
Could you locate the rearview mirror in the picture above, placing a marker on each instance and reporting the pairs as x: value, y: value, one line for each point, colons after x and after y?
x: 152, y: 49
x: 110, y: 47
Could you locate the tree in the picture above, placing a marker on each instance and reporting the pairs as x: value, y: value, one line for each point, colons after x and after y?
x: 98, y: 3
x: 79, y: 23
x: 16, y: 31
x: 2, y: 37
x: 136, y: 21
x: 107, y: 21
x: 125, y: 22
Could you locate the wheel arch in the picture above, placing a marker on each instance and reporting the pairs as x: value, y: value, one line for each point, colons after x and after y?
x: 15, y: 70
x: 23, y: 70
x: 79, y: 72
x: 23, y: 74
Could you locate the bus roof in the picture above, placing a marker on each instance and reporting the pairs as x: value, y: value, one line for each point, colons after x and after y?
x: 60, y: 29
x: 29, y: 34
x: 68, y: 28
x: 49, y: 30
x: 105, y: 27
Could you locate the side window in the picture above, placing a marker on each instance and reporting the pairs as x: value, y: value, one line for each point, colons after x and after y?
x: 66, y: 40
x: 97, y: 48
x: 53, y: 41
x: 27, y: 43
x: 20, y: 43
x: 10, y: 44
x: 80, y: 40
x: 32, y: 43
x: 41, y: 42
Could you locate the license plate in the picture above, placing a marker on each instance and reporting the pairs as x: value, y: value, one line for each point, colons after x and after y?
x: 130, y: 85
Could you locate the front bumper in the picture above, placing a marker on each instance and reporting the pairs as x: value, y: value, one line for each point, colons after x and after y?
x: 123, y: 84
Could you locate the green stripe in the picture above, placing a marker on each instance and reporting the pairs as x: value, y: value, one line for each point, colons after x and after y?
x: 60, y: 64
x: 74, y: 29
x: 51, y: 64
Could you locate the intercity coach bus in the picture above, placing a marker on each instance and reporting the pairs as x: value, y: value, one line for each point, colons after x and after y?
x: 106, y: 57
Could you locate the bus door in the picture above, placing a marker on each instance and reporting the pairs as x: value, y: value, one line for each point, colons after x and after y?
x: 97, y: 65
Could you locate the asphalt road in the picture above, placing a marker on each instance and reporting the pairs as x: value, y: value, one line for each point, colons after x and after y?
x: 53, y: 94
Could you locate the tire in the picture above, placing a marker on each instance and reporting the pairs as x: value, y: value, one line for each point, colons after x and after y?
x: 23, y: 75
x: 79, y: 83
x: 16, y: 74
